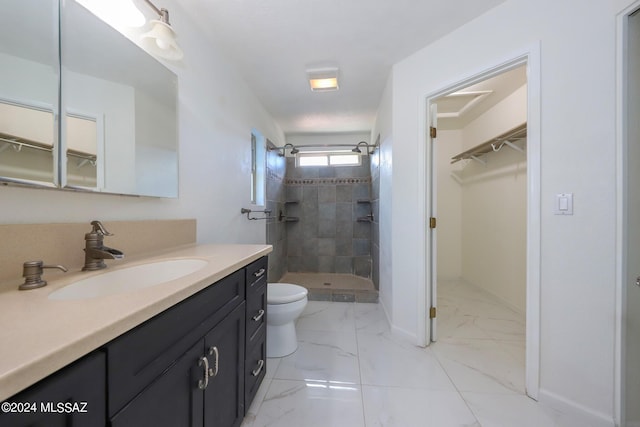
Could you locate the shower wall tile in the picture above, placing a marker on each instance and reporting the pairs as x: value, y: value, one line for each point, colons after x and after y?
x: 326, y: 193
x: 344, y: 229
x: 294, y: 264
x: 327, y: 211
x: 344, y: 264
x: 293, y: 193
x: 360, y: 192
x: 328, y: 237
x: 343, y: 193
x: 344, y: 212
x: 361, y: 247
x: 344, y: 246
x: 362, y: 266
x: 327, y: 247
x: 326, y: 264
x: 276, y: 232
x: 327, y: 228
x: 362, y: 230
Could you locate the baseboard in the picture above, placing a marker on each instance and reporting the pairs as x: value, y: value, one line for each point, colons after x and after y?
x: 585, y: 416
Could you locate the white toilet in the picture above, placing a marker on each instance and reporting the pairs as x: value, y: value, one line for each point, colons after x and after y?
x: 285, y: 302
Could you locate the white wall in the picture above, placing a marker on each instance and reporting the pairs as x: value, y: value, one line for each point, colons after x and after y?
x: 577, y: 131
x: 494, y: 206
x: 346, y: 138
x: 216, y: 114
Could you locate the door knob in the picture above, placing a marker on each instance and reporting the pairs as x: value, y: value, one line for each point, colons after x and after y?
x: 638, y: 281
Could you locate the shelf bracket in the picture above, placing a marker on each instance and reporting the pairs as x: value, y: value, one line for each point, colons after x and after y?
x: 478, y: 159
x: 514, y: 147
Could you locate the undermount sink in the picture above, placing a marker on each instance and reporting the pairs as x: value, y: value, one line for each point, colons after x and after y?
x: 127, y: 279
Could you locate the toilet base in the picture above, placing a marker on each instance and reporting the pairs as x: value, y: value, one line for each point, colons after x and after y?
x: 281, y: 340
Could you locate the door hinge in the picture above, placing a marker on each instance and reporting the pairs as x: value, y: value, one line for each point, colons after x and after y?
x: 432, y: 222
x: 433, y: 132
x: 432, y: 313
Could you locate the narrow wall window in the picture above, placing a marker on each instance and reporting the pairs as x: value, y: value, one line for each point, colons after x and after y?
x: 257, y: 168
x: 328, y: 159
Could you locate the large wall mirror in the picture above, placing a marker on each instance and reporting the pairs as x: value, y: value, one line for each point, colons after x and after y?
x: 118, y: 105
x: 29, y: 81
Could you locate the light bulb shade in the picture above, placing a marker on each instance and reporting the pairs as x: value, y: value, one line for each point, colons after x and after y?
x: 161, y: 41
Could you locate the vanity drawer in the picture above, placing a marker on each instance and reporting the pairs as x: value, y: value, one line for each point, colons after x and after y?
x: 136, y: 358
x: 256, y: 311
x: 257, y: 273
x: 255, y: 368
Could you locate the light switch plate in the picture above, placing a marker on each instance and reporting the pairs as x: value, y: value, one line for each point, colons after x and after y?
x: 564, y: 204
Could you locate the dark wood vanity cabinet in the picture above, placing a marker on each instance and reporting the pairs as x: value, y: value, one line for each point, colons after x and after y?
x: 256, y: 329
x: 72, y: 397
x: 199, y: 363
x: 194, y: 393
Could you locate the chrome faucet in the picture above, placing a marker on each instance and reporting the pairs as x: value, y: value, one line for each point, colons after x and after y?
x: 95, y: 252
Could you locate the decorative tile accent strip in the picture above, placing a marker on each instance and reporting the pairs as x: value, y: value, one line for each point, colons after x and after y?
x: 326, y: 181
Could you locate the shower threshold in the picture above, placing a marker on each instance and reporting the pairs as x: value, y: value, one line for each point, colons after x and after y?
x: 334, y: 287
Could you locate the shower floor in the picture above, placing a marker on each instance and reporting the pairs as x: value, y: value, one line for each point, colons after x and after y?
x: 334, y: 287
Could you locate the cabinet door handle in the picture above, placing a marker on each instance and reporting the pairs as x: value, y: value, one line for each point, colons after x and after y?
x: 213, y: 351
x: 204, y: 362
x: 259, y: 272
x: 258, y: 316
x: 257, y: 371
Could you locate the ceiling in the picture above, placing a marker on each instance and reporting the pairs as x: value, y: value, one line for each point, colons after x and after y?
x: 456, y: 110
x: 274, y: 42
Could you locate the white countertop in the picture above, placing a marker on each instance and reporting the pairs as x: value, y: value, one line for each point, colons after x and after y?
x: 38, y: 336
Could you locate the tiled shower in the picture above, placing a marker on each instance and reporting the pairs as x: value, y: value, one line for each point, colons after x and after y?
x: 325, y: 218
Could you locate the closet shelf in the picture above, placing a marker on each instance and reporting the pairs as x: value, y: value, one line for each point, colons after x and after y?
x: 494, y: 144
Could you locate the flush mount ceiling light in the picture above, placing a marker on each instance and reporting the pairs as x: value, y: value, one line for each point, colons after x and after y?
x: 161, y: 39
x: 323, y: 79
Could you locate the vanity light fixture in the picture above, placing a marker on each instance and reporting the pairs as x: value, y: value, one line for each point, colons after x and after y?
x: 161, y: 39
x: 323, y: 79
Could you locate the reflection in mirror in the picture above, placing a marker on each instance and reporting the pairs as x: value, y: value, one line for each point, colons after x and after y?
x: 28, y: 91
x: 82, y: 149
x: 119, y: 131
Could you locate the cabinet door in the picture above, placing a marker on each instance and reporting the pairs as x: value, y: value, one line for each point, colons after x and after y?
x: 73, y: 397
x: 174, y: 399
x: 224, y: 347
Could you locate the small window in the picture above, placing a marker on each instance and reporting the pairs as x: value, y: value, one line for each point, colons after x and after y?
x: 312, y: 160
x: 344, y: 159
x: 257, y: 169
x: 328, y: 159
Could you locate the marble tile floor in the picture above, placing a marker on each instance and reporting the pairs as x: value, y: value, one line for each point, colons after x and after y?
x: 351, y: 371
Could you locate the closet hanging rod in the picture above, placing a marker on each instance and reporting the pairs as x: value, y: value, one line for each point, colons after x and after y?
x: 516, y: 134
x: 19, y: 143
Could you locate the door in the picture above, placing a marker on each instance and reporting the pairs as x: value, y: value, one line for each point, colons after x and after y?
x: 631, y: 293
x: 432, y: 252
x: 224, y: 395
x: 173, y: 399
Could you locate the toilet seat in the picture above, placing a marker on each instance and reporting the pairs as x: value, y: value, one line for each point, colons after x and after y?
x: 285, y: 293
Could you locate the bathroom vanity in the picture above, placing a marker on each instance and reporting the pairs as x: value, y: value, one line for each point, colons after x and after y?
x: 193, y: 354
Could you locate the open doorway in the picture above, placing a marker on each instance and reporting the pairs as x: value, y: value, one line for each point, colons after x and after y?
x: 480, y: 192
x: 629, y: 223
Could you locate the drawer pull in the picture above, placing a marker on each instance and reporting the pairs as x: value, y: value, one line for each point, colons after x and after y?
x: 259, y: 272
x: 258, y: 316
x: 257, y: 371
x: 213, y: 351
x: 202, y: 384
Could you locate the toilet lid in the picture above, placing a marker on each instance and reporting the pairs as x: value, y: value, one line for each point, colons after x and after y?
x: 283, y: 293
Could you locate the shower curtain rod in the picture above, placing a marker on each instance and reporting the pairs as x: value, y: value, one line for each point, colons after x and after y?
x: 320, y: 146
